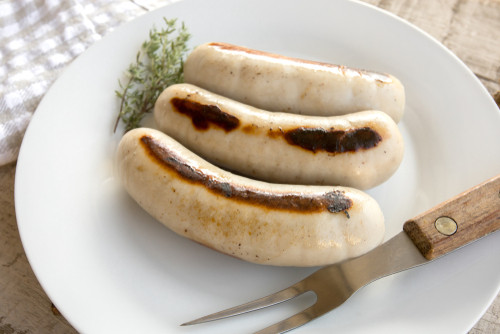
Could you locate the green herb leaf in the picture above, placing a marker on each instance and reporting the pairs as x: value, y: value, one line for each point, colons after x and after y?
x: 158, y: 65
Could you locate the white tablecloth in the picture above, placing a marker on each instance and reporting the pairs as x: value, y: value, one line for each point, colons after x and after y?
x: 38, y: 39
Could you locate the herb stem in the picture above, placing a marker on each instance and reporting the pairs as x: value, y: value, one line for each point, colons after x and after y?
x: 159, y: 64
x: 122, y: 103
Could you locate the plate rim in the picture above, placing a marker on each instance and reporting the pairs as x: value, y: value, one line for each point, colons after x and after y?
x: 22, y: 155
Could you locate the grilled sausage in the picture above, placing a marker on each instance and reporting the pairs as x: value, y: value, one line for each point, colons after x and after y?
x: 359, y: 150
x: 264, y: 223
x: 277, y: 83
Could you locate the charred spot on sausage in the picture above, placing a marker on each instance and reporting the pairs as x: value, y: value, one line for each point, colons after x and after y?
x: 338, y: 202
x: 204, y: 115
x: 333, y: 141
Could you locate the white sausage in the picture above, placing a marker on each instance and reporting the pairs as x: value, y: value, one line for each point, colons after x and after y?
x: 359, y: 150
x: 277, y: 83
x: 264, y: 223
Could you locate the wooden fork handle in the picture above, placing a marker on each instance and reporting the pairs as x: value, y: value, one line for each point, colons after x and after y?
x: 457, y: 221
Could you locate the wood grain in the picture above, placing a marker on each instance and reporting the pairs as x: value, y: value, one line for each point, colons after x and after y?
x: 476, y: 213
x: 469, y: 28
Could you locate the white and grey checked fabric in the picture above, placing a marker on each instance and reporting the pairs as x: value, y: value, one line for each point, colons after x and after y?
x: 38, y: 38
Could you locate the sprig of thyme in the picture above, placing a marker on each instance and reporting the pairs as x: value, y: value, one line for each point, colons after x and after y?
x: 159, y: 64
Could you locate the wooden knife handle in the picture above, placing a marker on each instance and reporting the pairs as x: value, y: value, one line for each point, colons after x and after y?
x: 457, y: 221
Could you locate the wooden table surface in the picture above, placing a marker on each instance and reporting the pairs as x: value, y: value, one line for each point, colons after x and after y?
x: 469, y: 28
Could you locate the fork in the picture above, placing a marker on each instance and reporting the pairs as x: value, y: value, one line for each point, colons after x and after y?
x: 332, y: 284
x: 452, y: 224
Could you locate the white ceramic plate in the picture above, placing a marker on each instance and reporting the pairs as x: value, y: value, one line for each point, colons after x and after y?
x: 110, y: 268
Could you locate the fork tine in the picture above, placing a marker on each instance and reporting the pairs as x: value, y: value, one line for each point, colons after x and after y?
x: 270, y: 300
x: 295, y: 320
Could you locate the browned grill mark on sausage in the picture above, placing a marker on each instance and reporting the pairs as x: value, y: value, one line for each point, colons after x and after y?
x: 379, y: 77
x: 250, y: 128
x: 333, y: 141
x: 203, y: 115
x: 333, y: 201
x: 311, y: 139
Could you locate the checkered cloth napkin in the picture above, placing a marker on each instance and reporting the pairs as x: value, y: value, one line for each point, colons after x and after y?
x: 38, y: 38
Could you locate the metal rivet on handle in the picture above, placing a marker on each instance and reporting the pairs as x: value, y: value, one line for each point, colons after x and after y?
x: 446, y: 225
